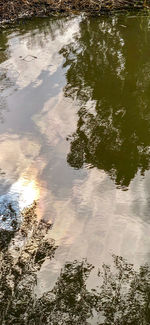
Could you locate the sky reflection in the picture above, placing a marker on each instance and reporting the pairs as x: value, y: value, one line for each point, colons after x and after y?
x: 92, y: 217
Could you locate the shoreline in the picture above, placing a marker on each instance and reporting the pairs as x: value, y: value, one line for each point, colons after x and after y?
x: 11, y: 11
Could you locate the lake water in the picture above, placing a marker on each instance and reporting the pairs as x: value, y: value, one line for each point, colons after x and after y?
x: 75, y: 134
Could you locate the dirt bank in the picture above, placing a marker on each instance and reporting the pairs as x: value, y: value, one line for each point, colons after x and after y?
x: 14, y: 9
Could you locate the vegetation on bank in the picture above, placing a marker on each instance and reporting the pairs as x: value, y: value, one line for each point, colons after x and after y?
x: 12, y: 10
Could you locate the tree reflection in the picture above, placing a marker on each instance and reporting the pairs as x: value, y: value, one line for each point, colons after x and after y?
x: 21, y: 257
x: 3, y: 47
x: 69, y: 302
x: 108, y: 74
x: 124, y: 295
x: 121, y: 298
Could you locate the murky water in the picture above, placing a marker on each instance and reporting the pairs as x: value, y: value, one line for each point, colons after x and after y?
x: 75, y: 135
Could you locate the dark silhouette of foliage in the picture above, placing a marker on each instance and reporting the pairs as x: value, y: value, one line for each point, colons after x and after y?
x: 69, y: 302
x: 20, y: 259
x: 122, y: 297
x: 109, y: 79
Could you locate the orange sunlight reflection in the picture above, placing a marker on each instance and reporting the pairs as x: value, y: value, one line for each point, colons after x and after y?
x: 27, y: 190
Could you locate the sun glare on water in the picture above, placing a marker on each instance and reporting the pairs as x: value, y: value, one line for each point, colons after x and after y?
x: 27, y: 191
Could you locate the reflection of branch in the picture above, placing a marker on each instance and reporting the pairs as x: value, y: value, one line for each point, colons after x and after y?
x: 29, y: 56
x: 32, y: 233
x: 20, y: 262
x: 105, y: 138
x: 122, y: 298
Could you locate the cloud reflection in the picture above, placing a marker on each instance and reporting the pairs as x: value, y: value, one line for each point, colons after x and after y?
x: 91, y: 216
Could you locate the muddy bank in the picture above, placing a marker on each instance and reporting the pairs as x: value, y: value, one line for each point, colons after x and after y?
x: 12, y: 10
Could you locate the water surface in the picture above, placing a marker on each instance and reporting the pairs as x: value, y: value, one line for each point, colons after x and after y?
x: 75, y: 135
